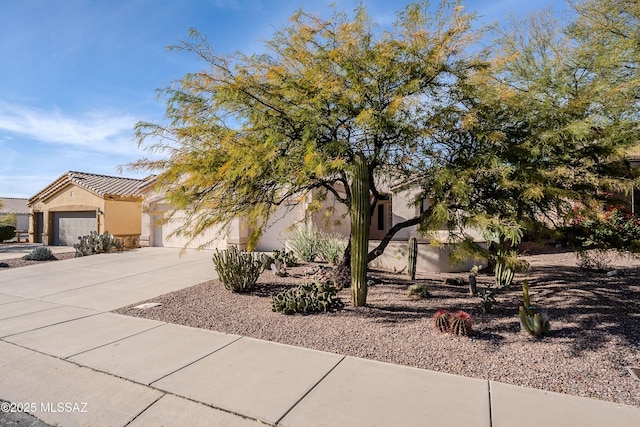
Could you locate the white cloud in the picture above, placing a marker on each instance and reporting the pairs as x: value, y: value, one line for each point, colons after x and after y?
x: 101, y: 132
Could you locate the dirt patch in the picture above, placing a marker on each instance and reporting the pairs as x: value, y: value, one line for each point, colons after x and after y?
x: 595, y: 325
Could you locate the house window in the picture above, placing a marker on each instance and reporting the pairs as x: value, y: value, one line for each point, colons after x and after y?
x: 381, y: 217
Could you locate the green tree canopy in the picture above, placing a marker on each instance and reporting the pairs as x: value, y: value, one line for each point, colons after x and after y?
x: 518, y: 138
x: 253, y: 131
x: 545, y: 128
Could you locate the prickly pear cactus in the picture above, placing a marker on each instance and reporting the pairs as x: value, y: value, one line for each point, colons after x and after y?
x: 307, y: 298
x: 413, y: 258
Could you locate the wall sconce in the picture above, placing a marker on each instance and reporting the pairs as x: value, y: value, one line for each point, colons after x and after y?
x: 99, y: 212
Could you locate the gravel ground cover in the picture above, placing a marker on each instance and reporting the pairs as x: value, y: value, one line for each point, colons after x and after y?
x: 19, y: 262
x: 595, y: 325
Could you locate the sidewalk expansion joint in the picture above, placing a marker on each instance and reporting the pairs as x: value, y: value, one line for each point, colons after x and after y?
x: 305, y: 394
x: 195, y: 361
x: 144, y: 410
x: 114, y: 341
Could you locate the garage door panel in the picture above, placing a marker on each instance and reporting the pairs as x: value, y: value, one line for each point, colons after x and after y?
x: 68, y: 226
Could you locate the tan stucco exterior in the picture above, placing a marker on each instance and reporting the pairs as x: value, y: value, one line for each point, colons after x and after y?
x: 120, y: 217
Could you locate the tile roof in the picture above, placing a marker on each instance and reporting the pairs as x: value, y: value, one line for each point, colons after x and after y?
x: 14, y: 205
x: 101, y: 185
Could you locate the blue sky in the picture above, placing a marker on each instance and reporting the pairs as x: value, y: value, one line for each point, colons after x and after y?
x: 76, y: 75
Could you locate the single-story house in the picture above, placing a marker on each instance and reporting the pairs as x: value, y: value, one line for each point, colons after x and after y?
x: 19, y: 208
x: 393, y: 208
x: 78, y: 202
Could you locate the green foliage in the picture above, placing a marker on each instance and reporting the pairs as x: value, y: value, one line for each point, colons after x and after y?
x: 310, y: 244
x: 532, y: 320
x: 611, y: 229
x: 304, y: 242
x: 321, y: 91
x: 40, y: 253
x: 7, y: 232
x: 418, y: 290
x: 238, y: 270
x: 593, y: 234
x: 507, y: 264
x: 488, y: 296
x: 307, y: 298
x: 541, y: 119
x: 279, y: 262
x: 287, y: 258
x: 95, y: 243
x: 8, y: 219
x: 413, y: 258
x: 330, y: 248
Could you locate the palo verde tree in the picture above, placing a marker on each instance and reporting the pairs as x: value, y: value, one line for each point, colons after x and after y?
x: 545, y: 127
x: 331, y: 105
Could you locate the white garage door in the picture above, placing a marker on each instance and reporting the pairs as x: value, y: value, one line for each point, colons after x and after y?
x: 68, y: 226
x: 161, y: 235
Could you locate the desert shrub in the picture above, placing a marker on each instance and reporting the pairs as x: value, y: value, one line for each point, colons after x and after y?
x: 304, y: 242
x: 39, y: 253
x: 307, y: 298
x: 330, y: 247
x: 592, y: 236
x: 96, y: 243
x: 418, y: 290
x: 7, y: 232
x: 238, y: 270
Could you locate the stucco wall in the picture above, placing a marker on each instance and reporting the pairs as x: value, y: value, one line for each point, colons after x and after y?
x: 119, y: 217
x: 430, y: 258
x: 122, y: 217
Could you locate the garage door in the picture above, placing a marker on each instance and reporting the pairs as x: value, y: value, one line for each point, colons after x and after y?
x: 68, y: 226
x: 161, y: 235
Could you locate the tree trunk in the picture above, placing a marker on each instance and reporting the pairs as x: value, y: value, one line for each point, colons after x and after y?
x: 360, y: 223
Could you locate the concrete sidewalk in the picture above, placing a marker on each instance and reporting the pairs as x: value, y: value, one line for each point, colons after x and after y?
x: 69, y: 361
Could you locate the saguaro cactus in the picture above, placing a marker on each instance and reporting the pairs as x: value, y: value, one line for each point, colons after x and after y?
x: 413, y: 258
x: 360, y: 222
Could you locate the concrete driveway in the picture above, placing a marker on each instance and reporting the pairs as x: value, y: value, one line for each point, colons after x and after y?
x: 69, y: 361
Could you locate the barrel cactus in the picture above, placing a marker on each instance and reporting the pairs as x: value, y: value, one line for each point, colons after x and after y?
x: 460, y: 324
x: 441, y: 320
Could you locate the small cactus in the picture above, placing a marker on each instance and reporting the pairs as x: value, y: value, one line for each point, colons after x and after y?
x: 460, y: 324
x: 441, y: 320
x: 532, y: 320
x: 418, y: 290
x: 503, y: 275
x: 413, y: 258
x: 238, y: 270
